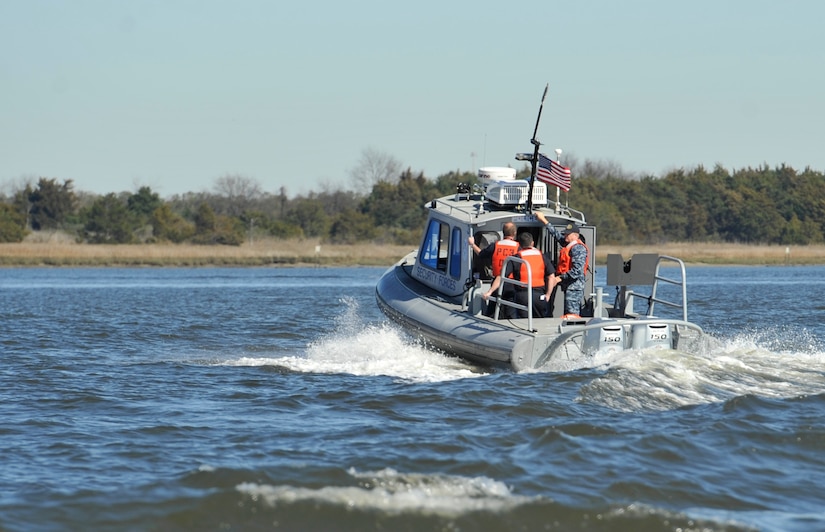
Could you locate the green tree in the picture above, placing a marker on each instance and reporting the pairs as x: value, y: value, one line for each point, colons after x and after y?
x: 311, y: 216
x: 143, y: 203
x: 12, y: 224
x: 50, y: 203
x: 352, y: 226
x: 108, y: 221
x: 283, y: 229
x: 754, y: 218
x: 205, y: 220
x: 401, y: 205
x: 380, y: 204
x: 447, y: 183
x: 170, y: 226
x: 213, y: 229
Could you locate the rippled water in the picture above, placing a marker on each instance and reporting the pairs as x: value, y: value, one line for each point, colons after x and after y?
x: 258, y: 399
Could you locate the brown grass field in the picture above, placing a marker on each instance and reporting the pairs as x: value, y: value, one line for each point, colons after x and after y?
x: 260, y: 253
x: 724, y: 254
x: 304, y: 252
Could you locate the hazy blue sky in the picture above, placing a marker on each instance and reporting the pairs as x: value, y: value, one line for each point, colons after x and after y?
x: 176, y: 93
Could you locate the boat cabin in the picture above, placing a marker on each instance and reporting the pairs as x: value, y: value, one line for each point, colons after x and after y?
x: 446, y: 262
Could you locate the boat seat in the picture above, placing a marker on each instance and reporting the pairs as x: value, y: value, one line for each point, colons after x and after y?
x: 475, y: 303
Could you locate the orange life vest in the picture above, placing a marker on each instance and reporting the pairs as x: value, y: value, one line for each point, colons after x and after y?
x: 536, y: 261
x: 504, y: 248
x: 565, y: 261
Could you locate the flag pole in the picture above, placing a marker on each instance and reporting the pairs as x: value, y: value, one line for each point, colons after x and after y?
x: 536, y: 144
x: 558, y: 189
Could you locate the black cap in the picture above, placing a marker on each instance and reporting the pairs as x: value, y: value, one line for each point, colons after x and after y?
x: 572, y: 227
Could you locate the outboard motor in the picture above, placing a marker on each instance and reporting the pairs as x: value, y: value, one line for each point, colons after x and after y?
x: 651, y: 334
x: 605, y: 339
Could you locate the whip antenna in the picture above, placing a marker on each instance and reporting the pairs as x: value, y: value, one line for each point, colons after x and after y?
x: 536, y: 144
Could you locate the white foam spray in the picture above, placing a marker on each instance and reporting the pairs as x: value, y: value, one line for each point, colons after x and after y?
x: 371, y: 349
x: 390, y: 491
x: 774, y: 363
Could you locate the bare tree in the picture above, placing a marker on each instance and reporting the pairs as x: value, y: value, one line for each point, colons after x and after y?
x: 240, y: 192
x: 374, y: 167
x: 10, y: 187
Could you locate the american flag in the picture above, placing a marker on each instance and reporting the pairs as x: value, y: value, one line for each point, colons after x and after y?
x: 553, y: 173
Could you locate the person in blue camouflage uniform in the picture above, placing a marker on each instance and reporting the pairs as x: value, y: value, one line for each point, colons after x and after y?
x: 572, y: 265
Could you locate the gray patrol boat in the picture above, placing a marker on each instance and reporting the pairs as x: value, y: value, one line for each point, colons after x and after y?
x: 435, y: 292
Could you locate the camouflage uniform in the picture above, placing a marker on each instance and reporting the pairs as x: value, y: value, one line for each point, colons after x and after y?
x: 572, y: 281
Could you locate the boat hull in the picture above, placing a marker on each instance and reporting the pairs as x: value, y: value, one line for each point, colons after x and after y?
x: 445, y: 324
x: 442, y: 324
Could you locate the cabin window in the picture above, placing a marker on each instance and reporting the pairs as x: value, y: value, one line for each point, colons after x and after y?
x: 434, y: 247
x: 455, y: 253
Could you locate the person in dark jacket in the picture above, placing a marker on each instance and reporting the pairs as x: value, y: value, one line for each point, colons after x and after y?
x: 572, y: 265
x: 496, y: 253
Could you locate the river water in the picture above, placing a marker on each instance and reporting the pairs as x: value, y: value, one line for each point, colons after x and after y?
x: 281, y: 399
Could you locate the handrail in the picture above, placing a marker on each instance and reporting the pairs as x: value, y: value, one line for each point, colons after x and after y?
x: 452, y: 209
x: 560, y: 208
x: 506, y: 280
x: 680, y: 282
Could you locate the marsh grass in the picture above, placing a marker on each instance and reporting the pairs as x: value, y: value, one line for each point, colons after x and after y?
x: 303, y: 252
x: 725, y: 254
x: 260, y: 253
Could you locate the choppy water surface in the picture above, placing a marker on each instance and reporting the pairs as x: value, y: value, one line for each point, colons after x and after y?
x: 258, y: 399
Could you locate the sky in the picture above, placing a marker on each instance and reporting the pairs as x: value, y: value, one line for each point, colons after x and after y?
x: 174, y: 94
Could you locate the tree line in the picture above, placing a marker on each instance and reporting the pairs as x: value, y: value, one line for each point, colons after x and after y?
x: 759, y: 205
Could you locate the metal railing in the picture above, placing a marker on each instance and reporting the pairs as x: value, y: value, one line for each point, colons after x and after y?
x: 652, y: 299
x: 677, y: 282
x: 506, y: 280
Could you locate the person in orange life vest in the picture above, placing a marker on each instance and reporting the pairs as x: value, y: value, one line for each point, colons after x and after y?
x: 497, y: 252
x: 540, y: 268
x: 500, y: 250
x: 572, y: 265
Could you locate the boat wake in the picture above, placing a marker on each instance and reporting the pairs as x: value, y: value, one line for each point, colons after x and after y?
x: 780, y: 362
x: 356, y: 347
x: 770, y: 363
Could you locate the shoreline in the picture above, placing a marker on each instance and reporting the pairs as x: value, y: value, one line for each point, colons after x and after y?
x: 286, y: 253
